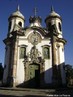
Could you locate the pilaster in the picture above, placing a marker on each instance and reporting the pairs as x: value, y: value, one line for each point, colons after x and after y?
x: 54, y: 65
x: 14, y: 60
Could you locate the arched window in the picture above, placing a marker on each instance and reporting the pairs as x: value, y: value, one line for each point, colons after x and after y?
x: 46, y: 52
x: 20, y: 24
x: 9, y: 26
x: 59, y: 25
x: 22, y: 52
x: 49, y: 26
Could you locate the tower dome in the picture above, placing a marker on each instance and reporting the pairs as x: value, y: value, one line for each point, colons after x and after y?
x: 54, y: 19
x: 53, y: 14
x: 17, y: 13
x: 16, y: 18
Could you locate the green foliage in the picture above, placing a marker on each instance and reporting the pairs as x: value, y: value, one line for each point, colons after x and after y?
x: 69, y: 73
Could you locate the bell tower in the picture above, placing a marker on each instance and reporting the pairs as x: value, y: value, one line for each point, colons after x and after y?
x: 56, y: 20
x: 16, y: 20
x: 16, y: 23
x: 54, y: 26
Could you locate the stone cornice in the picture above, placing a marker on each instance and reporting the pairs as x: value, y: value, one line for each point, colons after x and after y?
x: 7, y: 40
x: 43, y: 31
x: 19, y: 33
x: 61, y: 40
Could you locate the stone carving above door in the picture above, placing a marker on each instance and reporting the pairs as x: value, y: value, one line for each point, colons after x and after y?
x: 34, y: 56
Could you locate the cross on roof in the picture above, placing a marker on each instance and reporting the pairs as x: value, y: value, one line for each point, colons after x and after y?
x: 35, y: 11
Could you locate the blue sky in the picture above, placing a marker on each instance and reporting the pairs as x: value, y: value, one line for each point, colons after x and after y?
x: 63, y: 7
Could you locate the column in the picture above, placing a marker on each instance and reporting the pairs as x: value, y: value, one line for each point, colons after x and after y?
x: 14, y: 60
x: 54, y: 65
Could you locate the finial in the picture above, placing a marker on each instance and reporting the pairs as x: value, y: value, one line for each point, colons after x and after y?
x: 52, y: 9
x: 18, y: 8
x: 35, y: 11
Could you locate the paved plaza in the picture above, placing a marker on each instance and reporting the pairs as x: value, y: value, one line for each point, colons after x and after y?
x: 25, y: 92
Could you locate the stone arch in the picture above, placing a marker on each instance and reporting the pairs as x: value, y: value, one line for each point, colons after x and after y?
x: 36, y: 78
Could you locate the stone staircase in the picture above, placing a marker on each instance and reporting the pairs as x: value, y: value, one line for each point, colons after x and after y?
x: 26, y: 92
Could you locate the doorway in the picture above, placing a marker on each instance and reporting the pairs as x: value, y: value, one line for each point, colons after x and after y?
x: 34, y: 75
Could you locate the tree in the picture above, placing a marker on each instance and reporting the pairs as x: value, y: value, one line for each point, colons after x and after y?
x: 69, y: 74
x: 1, y: 71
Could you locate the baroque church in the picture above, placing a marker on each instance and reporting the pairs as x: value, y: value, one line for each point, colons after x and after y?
x: 34, y: 55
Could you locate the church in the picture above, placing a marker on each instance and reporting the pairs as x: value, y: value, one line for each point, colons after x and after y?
x: 34, y: 55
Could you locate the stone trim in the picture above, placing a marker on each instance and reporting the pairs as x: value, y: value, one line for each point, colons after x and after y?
x: 42, y: 70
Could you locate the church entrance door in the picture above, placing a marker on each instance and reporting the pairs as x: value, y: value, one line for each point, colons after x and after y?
x: 34, y: 75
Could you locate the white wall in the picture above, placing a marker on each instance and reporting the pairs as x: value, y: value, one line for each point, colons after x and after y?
x: 48, y: 63
x: 62, y: 61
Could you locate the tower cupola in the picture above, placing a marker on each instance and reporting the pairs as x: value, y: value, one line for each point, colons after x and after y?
x: 53, y: 14
x: 17, y: 13
x: 54, y: 19
x: 16, y: 19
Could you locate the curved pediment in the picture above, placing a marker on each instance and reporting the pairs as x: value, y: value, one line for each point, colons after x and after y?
x: 42, y: 31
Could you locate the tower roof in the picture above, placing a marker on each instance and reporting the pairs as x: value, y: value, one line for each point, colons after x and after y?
x: 53, y: 14
x: 17, y: 13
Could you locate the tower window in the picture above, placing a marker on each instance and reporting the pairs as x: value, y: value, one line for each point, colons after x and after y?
x: 22, y: 52
x: 49, y: 26
x: 9, y: 26
x: 59, y: 25
x: 20, y: 24
x: 46, y: 52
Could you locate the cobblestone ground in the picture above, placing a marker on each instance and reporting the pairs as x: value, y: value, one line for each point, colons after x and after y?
x: 22, y: 92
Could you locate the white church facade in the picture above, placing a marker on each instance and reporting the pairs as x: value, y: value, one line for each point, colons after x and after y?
x: 34, y: 55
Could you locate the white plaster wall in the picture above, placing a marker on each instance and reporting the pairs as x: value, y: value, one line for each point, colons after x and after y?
x: 62, y: 61
x: 20, y: 65
x: 20, y: 69
x: 20, y: 72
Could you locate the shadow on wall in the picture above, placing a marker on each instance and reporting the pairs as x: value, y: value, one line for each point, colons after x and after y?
x: 37, y: 78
